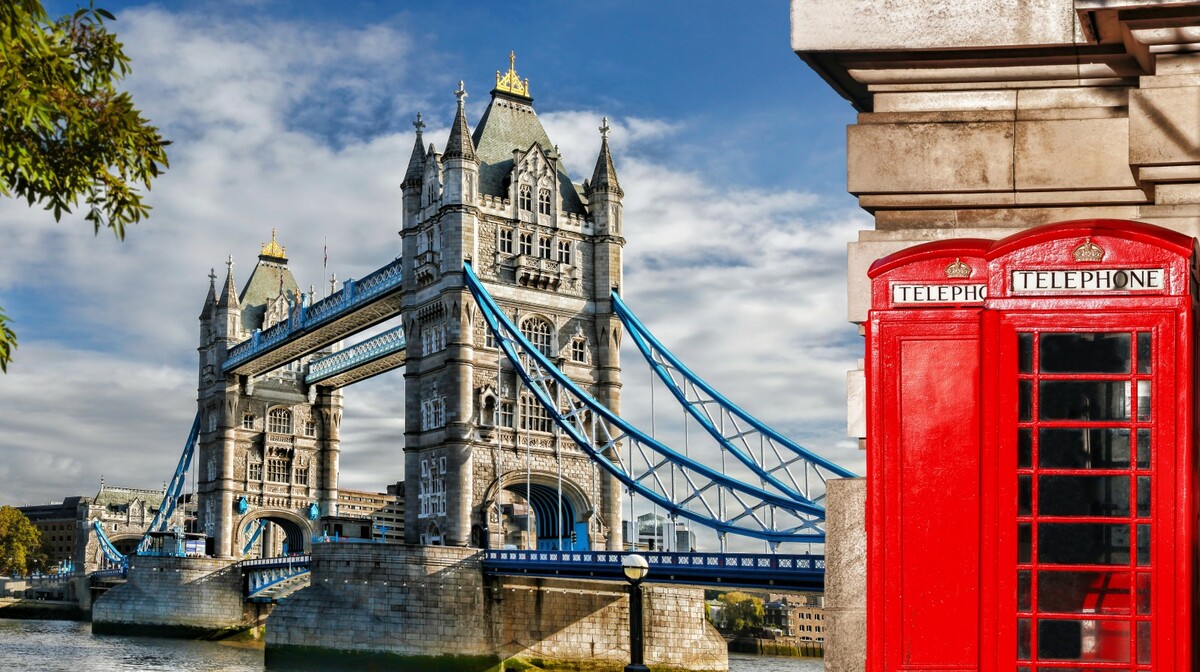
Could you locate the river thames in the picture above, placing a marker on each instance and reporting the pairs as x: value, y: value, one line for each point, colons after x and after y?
x: 66, y: 646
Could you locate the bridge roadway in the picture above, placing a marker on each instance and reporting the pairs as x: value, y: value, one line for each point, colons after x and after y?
x: 803, y: 572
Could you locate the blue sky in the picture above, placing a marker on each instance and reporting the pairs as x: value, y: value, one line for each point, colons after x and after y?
x: 297, y: 116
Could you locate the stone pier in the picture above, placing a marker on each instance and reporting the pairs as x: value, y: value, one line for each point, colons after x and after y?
x: 431, y: 607
x: 178, y: 597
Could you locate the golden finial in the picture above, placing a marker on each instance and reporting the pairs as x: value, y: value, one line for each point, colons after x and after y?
x: 274, y: 249
x: 509, y: 82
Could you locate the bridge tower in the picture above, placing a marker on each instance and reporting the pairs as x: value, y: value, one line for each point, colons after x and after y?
x: 550, y: 252
x: 268, y: 446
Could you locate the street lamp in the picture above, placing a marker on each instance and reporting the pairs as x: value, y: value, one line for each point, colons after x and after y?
x: 636, y: 568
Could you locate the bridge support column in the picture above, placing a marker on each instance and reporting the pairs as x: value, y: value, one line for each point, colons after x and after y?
x: 177, y: 597
x: 329, y: 405
x: 846, y: 575
x: 372, y: 606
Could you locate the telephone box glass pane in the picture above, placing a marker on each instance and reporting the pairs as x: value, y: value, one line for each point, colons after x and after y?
x: 1023, y: 587
x: 1083, y: 543
x: 1143, y: 641
x: 1025, y: 353
x: 1099, y: 641
x: 1106, y: 496
x: 1083, y: 592
x: 1085, y: 353
x: 1144, y: 358
x: 1091, y: 448
x: 1025, y: 400
x: 1024, y: 495
x: 1143, y: 387
x: 1024, y: 448
x: 1143, y: 496
x: 1023, y: 638
x: 1143, y: 593
x: 1143, y: 449
x: 1083, y: 400
x: 1143, y: 545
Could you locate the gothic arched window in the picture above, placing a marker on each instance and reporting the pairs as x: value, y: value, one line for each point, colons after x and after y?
x: 537, y: 331
x: 279, y: 421
x: 525, y: 197
x: 544, y: 201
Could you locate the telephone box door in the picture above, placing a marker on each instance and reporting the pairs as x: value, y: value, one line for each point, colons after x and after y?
x: 1086, y: 452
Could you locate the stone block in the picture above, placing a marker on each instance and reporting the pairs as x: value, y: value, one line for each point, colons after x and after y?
x: 889, y: 158
x: 1073, y: 154
x: 942, y: 101
x: 1164, y: 126
x: 1177, y: 194
x: 851, y: 25
x: 846, y: 574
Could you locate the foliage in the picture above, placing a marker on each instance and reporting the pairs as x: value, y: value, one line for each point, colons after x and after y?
x: 67, y: 135
x: 742, y: 612
x: 20, y: 543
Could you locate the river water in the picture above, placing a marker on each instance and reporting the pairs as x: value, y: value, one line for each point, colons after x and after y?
x: 65, y: 646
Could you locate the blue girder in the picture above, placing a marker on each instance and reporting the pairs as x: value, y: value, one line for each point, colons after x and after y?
x: 107, y: 548
x: 757, y: 517
x: 175, y: 489
x: 702, y: 395
x: 376, y: 347
x: 349, y: 298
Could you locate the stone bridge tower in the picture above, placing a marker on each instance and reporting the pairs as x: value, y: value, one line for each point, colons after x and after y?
x: 268, y: 446
x: 550, y: 252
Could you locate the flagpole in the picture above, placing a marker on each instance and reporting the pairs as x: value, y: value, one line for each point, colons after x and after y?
x: 325, y: 266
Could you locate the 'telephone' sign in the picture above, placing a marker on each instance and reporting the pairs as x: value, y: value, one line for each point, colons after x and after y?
x: 1091, y: 281
x: 963, y: 294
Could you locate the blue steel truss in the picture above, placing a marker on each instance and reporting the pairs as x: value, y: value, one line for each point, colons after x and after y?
x: 346, y: 300
x: 649, y: 468
x: 108, y: 549
x: 771, y: 456
x: 258, y: 525
x: 166, y: 509
x: 376, y: 347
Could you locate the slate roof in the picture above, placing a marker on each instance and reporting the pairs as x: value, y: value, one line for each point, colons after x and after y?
x: 510, y: 123
x: 262, y: 287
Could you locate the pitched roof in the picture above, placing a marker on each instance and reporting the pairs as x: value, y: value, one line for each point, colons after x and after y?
x: 510, y: 123
x: 604, y: 177
x: 459, y: 144
x: 270, y: 276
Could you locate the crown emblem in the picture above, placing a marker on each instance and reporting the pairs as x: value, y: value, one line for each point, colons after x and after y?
x: 958, y: 270
x: 509, y: 82
x: 1088, y: 251
x: 273, y: 249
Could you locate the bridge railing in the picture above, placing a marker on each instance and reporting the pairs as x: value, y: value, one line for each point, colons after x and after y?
x: 793, y: 571
x: 352, y: 295
x: 373, y: 348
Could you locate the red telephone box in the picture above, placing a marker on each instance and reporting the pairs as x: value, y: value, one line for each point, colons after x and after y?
x: 1032, y: 491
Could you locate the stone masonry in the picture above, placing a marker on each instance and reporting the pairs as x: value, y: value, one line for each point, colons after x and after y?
x: 177, y: 597
x: 980, y: 119
x: 425, y: 602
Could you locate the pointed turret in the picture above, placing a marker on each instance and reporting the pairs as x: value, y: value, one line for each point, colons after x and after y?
x: 604, y: 177
x: 460, y: 146
x: 210, y: 301
x: 229, y: 296
x: 416, y: 162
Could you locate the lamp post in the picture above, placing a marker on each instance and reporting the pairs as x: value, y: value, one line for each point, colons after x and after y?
x: 636, y: 568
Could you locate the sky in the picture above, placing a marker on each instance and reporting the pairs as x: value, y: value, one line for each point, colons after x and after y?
x: 297, y: 116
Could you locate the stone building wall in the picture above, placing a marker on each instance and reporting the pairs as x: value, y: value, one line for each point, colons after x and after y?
x: 980, y: 119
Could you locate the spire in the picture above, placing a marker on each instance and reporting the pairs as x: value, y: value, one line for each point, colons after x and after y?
x: 459, y: 146
x: 416, y: 162
x: 604, y: 177
x: 211, y: 300
x: 229, y: 297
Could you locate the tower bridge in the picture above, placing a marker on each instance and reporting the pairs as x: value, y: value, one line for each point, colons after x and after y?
x: 506, y: 290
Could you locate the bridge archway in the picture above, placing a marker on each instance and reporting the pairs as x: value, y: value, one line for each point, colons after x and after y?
x: 296, y: 531
x: 540, y: 525
x: 126, y: 543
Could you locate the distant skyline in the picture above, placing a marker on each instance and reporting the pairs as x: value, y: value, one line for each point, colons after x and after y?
x: 298, y: 117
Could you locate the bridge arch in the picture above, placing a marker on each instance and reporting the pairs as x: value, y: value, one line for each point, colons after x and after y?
x: 297, y: 530
x: 540, y: 490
